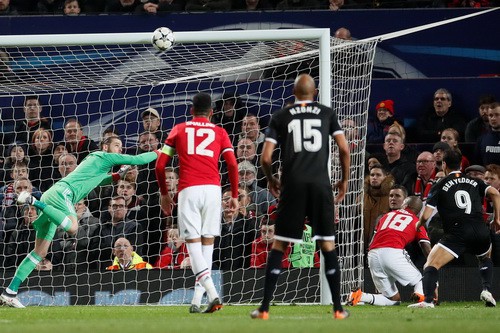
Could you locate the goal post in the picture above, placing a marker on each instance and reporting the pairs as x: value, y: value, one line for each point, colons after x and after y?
x: 110, y: 79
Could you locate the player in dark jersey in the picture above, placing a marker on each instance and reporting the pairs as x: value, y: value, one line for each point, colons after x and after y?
x: 458, y: 199
x: 303, y: 130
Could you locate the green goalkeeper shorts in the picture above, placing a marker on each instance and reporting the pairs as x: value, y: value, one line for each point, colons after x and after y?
x: 60, y: 197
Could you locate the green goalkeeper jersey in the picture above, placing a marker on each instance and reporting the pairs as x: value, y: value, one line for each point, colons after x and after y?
x: 94, y: 171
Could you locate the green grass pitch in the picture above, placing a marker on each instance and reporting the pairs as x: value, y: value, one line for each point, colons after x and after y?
x: 448, y: 317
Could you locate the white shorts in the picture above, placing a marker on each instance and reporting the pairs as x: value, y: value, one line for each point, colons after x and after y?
x: 199, y: 211
x: 388, y: 265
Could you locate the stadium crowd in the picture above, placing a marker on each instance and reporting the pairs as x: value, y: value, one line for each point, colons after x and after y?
x: 130, y: 208
x: 153, y: 7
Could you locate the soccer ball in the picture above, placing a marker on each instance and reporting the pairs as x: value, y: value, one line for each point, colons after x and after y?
x: 163, y: 39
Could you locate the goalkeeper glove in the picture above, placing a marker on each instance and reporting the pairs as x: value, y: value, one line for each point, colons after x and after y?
x: 121, y: 173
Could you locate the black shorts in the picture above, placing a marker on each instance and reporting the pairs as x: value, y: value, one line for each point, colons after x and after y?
x: 299, y: 200
x: 472, y: 237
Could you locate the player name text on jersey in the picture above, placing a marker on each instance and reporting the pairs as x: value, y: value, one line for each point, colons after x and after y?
x: 456, y: 181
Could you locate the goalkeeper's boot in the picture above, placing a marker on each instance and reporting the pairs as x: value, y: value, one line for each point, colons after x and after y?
x: 488, y: 299
x: 194, y: 309
x: 341, y: 314
x: 257, y: 314
x: 10, y: 300
x: 25, y: 198
x: 417, y: 297
x: 214, y: 305
x: 354, y: 297
x: 421, y: 305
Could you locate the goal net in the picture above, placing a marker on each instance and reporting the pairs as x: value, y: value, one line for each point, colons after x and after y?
x: 109, y: 82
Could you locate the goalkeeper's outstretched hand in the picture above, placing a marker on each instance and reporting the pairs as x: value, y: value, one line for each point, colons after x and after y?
x: 121, y: 173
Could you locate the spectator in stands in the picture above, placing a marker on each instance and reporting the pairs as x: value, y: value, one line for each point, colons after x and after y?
x: 136, y: 205
x: 67, y: 164
x: 7, y: 9
x: 298, y: 4
x: 71, y: 8
x: 335, y: 4
x: 151, y: 122
x: 10, y: 212
x: 15, y: 153
x: 432, y: 124
x: 451, y: 137
x: 76, y: 142
x: 232, y: 248
x: 40, y: 159
x: 378, y: 127
x: 121, y: 6
x: 161, y: 6
x: 250, y: 5
x: 488, y: 146
x: 77, y: 249
x: 400, y: 168
x: 375, y: 200
x: 17, y: 171
x: 262, y: 245
x: 59, y: 150
x: 6, y: 73
x: 247, y: 207
x: 343, y: 33
x: 250, y: 129
x: 174, y: 254
x: 115, y: 227
x: 246, y: 151
x: 146, y: 178
x: 479, y: 125
x: 425, y: 176
x: 125, y: 257
x: 438, y: 151
x: 49, y: 6
x: 260, y: 196
x: 208, y: 5
x: 231, y: 115
x: 32, y: 121
x: 352, y: 134
x: 476, y: 171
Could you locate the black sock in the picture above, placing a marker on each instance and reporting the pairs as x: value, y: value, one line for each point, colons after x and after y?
x: 273, y: 270
x: 486, y: 271
x: 429, y: 282
x: 332, y: 272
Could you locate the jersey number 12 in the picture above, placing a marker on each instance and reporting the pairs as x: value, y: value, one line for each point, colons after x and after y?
x: 201, y: 148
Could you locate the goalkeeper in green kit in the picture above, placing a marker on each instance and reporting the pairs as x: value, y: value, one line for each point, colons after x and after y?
x: 56, y: 207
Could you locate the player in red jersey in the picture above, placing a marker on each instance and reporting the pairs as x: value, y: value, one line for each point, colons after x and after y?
x: 388, y: 260
x: 199, y: 145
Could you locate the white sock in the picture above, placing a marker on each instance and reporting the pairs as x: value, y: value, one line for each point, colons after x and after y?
x: 376, y: 299
x: 201, y: 270
x: 199, y: 291
x: 208, y: 254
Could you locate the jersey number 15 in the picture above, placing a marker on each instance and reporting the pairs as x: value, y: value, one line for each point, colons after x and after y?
x: 305, y: 134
